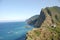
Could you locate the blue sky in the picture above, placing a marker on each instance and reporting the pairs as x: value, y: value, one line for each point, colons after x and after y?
x: 20, y: 10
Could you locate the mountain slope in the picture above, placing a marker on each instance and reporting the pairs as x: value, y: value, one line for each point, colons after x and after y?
x: 32, y: 20
x: 48, y: 24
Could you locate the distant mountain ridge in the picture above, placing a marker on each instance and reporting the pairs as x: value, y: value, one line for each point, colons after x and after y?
x: 32, y: 20
x: 47, y: 25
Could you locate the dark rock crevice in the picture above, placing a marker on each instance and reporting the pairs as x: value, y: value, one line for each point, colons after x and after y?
x: 40, y: 20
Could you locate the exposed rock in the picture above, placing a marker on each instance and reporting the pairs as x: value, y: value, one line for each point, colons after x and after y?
x: 32, y: 20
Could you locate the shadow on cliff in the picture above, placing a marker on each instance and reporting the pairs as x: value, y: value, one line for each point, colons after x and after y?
x: 40, y: 20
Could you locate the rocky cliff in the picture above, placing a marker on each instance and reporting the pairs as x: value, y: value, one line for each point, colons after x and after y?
x: 32, y: 20
x: 47, y: 25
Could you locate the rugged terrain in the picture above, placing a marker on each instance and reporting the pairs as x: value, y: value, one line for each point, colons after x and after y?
x: 47, y: 25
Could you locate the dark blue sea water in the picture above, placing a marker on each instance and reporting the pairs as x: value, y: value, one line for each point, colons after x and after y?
x: 13, y: 30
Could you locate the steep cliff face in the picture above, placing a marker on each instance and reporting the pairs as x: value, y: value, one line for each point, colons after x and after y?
x: 32, y: 20
x: 48, y: 16
x: 48, y: 23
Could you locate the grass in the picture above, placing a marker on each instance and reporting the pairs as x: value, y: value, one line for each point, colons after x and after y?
x: 37, y: 32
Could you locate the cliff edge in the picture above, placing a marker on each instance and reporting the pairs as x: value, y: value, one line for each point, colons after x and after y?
x: 47, y: 25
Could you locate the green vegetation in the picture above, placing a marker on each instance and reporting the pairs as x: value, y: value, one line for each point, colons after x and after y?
x: 49, y: 28
x: 37, y: 32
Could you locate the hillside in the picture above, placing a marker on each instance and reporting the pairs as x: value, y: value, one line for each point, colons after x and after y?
x: 47, y: 25
x: 32, y: 20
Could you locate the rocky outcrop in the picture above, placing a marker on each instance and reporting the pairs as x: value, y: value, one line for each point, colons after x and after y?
x: 47, y: 16
x: 48, y: 25
x: 32, y: 20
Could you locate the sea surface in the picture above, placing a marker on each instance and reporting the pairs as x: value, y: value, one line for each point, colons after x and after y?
x: 14, y: 30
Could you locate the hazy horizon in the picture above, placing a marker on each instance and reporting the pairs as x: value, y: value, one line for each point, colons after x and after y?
x: 20, y: 10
